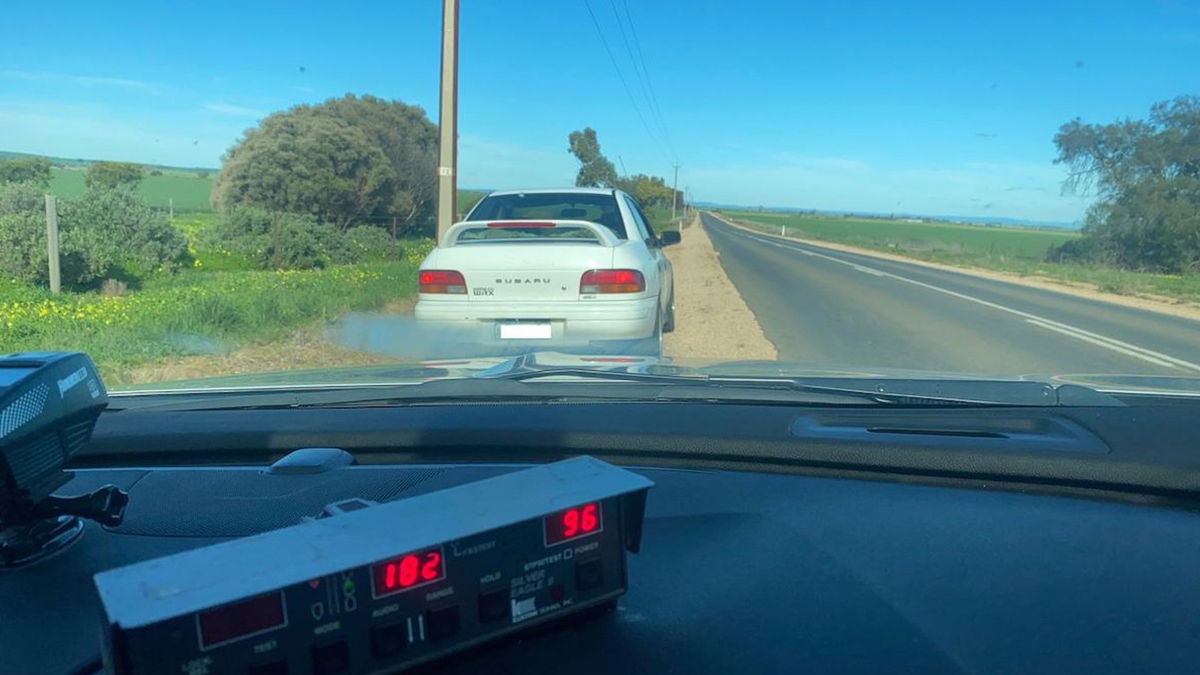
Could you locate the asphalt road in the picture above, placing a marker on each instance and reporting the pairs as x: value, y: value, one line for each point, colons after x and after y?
x: 828, y: 307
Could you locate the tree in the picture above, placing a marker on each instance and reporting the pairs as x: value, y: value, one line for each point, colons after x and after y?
x: 34, y: 170
x: 1146, y: 175
x: 647, y: 190
x: 346, y: 161
x: 302, y: 162
x: 112, y: 174
x: 409, y: 140
x: 595, y: 169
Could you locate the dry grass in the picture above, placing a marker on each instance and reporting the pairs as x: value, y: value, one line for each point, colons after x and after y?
x: 306, y: 350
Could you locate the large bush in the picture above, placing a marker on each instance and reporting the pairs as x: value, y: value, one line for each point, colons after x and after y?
x: 104, y: 233
x: 347, y: 161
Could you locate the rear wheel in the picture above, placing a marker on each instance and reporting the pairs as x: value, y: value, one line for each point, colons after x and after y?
x: 652, y: 346
x: 669, y: 322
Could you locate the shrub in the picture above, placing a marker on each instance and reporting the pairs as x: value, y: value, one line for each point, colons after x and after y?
x: 367, y: 243
x: 23, y: 233
x: 33, y: 170
x: 121, y: 236
x: 250, y: 233
x: 112, y: 174
x: 104, y: 233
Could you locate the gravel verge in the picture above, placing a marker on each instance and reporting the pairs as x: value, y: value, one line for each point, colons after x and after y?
x: 711, y: 319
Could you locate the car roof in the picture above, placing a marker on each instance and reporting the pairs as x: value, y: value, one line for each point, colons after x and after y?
x: 569, y: 190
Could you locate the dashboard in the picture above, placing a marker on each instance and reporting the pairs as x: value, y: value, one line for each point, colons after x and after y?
x: 768, y: 545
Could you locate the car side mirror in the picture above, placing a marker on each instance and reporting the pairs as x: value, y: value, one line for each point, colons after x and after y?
x: 669, y: 237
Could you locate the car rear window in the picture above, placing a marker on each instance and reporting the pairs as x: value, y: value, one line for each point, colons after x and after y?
x: 596, y: 208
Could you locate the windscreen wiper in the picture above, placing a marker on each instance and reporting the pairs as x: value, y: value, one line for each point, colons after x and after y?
x: 909, y: 392
x: 520, y: 384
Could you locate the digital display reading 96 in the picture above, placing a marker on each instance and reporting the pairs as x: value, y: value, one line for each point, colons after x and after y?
x: 407, y: 571
x: 573, y: 523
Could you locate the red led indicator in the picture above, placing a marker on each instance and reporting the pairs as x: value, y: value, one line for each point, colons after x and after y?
x: 573, y: 523
x: 407, y: 571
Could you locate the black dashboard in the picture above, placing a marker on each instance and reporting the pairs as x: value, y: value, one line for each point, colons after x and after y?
x: 776, y: 538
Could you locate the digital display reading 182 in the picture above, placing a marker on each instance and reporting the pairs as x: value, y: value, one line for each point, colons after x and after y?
x: 407, y: 571
x: 573, y: 523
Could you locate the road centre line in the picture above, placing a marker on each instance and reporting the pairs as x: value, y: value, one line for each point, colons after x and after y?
x: 1102, y: 343
x: 1040, y: 321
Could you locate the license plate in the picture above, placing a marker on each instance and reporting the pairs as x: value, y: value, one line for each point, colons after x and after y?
x: 524, y: 331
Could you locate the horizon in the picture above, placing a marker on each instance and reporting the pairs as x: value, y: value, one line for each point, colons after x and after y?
x: 916, y: 109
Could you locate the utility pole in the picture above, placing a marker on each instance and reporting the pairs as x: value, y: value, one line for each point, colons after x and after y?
x: 675, y: 190
x: 52, y: 243
x: 448, y: 120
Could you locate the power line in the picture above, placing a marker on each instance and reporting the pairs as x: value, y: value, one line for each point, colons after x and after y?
x: 655, y: 108
x: 621, y: 76
x: 639, y: 73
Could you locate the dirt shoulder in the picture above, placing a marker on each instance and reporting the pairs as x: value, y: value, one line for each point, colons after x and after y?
x: 711, y: 319
x: 1167, y: 306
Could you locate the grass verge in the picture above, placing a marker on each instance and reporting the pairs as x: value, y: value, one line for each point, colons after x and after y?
x: 1013, y: 250
x: 194, y: 313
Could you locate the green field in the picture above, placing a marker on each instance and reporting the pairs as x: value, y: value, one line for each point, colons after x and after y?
x: 948, y: 242
x: 1016, y: 250
x: 189, y: 191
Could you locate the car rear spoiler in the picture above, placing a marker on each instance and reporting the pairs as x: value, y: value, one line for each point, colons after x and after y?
x: 604, y: 236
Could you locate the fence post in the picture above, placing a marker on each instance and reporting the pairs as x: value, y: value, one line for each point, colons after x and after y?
x: 171, y: 209
x: 52, y: 243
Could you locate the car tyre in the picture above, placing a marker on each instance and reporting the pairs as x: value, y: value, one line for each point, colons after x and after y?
x: 669, y: 322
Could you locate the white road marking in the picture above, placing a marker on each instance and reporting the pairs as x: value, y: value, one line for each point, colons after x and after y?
x: 1115, y: 345
x: 1137, y: 354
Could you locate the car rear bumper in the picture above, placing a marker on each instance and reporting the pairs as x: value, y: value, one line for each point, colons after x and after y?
x: 570, y: 323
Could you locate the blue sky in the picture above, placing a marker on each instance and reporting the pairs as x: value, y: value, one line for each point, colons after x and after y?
x: 933, y: 107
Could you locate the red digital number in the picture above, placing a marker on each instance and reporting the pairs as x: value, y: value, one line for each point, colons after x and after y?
x: 572, y: 523
x: 408, y: 571
x: 588, y: 520
x: 413, y: 569
x: 432, y: 568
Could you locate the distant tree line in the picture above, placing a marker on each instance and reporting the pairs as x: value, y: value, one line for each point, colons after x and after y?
x: 596, y: 170
x: 1146, y: 176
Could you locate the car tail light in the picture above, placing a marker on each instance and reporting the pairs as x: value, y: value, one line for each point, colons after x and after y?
x: 441, y: 281
x: 612, y: 281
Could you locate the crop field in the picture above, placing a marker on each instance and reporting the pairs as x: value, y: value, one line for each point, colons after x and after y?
x: 189, y: 191
x: 1016, y: 250
x: 930, y: 240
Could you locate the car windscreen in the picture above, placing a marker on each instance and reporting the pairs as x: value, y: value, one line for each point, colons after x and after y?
x: 597, y: 208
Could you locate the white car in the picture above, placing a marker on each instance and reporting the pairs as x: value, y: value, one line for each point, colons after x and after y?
x: 550, y: 268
